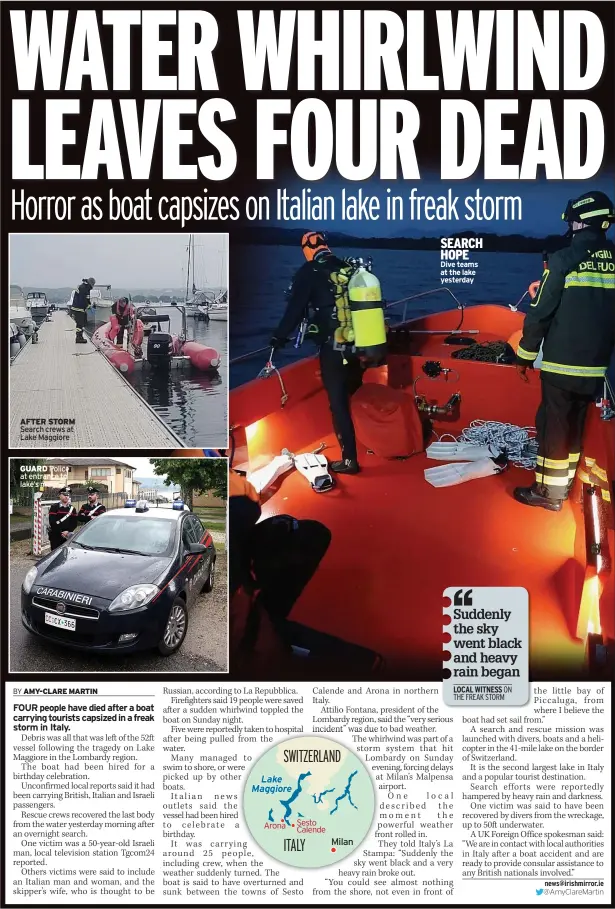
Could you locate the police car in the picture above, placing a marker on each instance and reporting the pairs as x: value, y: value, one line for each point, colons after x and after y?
x: 123, y: 582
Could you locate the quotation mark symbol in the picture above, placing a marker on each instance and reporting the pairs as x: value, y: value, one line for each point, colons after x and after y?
x: 463, y: 600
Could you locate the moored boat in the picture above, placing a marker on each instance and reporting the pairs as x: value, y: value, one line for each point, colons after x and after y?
x: 150, y: 342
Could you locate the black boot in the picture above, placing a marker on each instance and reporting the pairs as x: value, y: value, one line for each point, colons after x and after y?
x: 80, y: 340
x: 346, y: 465
x: 531, y: 495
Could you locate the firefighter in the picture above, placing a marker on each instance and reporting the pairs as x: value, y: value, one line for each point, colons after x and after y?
x: 573, y: 317
x: 92, y: 508
x: 121, y: 309
x: 312, y: 297
x: 79, y: 308
x: 62, y: 519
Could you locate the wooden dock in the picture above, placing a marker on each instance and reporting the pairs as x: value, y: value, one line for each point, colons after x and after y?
x: 67, y: 395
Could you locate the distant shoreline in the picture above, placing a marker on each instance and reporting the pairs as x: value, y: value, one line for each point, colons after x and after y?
x: 277, y: 236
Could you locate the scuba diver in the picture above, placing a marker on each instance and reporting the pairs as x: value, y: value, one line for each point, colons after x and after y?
x: 320, y: 301
x: 79, y: 308
x: 122, y: 310
x: 573, y: 317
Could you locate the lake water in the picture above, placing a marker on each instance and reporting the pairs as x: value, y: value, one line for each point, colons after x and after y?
x: 193, y: 404
x: 258, y: 297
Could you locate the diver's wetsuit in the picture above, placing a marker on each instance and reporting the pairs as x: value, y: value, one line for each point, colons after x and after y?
x: 312, y: 294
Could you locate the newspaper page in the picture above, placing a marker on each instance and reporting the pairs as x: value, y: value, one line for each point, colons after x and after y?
x: 310, y: 447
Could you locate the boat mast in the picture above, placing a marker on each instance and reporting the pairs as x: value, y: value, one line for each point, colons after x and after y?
x: 193, y: 284
x: 188, y: 269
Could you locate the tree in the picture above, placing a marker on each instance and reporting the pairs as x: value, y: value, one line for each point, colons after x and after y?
x: 194, y: 475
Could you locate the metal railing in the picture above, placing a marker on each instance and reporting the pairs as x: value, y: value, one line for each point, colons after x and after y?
x: 424, y: 293
x: 387, y: 306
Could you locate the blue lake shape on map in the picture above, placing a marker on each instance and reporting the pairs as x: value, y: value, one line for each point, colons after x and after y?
x: 287, y: 802
x: 318, y: 800
x: 345, y: 794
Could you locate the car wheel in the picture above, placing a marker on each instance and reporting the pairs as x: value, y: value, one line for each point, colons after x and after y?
x: 175, y: 629
x: 208, y: 586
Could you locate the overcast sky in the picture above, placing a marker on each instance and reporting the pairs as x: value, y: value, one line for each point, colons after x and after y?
x: 143, y: 465
x: 122, y: 260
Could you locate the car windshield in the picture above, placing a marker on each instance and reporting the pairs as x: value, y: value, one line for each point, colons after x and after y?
x: 129, y: 533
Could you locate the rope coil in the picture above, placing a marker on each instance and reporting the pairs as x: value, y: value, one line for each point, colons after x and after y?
x: 487, y: 352
x: 518, y: 443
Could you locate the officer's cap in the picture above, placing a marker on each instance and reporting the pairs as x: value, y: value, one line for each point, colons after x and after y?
x: 65, y: 491
x: 91, y: 490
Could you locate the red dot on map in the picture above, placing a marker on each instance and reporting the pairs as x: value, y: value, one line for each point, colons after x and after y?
x: 332, y: 848
x: 292, y: 825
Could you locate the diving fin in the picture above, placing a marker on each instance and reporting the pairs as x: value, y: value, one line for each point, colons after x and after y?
x: 265, y: 476
x: 460, y: 451
x: 315, y: 469
x: 460, y: 472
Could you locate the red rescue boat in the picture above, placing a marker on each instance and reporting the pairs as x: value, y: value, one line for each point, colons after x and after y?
x: 397, y: 542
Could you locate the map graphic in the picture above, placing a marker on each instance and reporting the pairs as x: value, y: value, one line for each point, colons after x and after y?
x: 309, y: 801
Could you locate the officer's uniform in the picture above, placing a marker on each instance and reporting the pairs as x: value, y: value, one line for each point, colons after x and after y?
x: 90, y: 510
x: 79, y: 308
x: 61, y: 517
x: 573, y: 316
x: 342, y: 374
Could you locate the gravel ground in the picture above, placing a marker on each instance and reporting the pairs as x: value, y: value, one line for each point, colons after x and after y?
x: 204, y: 650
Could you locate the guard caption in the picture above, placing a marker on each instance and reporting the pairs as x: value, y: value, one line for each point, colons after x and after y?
x: 354, y: 205
x: 488, y: 628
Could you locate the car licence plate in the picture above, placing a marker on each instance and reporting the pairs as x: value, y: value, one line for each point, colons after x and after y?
x: 60, y: 621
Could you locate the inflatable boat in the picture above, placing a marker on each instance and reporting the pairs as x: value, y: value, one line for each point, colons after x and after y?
x: 151, y: 344
x: 397, y: 541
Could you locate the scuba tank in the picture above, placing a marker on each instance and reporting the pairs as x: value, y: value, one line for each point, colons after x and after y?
x: 367, y: 314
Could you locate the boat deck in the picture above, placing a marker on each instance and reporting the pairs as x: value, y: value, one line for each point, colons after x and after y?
x: 392, y: 536
x: 58, y: 380
x: 397, y: 542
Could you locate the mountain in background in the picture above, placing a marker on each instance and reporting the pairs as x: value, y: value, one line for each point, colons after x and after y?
x: 157, y: 483
x: 137, y: 294
x: 406, y: 238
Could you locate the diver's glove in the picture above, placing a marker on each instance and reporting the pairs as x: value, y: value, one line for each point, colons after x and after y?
x: 277, y: 343
x: 460, y: 451
x: 461, y: 472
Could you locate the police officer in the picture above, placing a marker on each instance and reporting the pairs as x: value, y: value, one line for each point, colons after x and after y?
x: 573, y: 317
x: 121, y: 309
x: 62, y: 519
x: 92, y: 508
x: 79, y: 308
x: 312, y: 295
